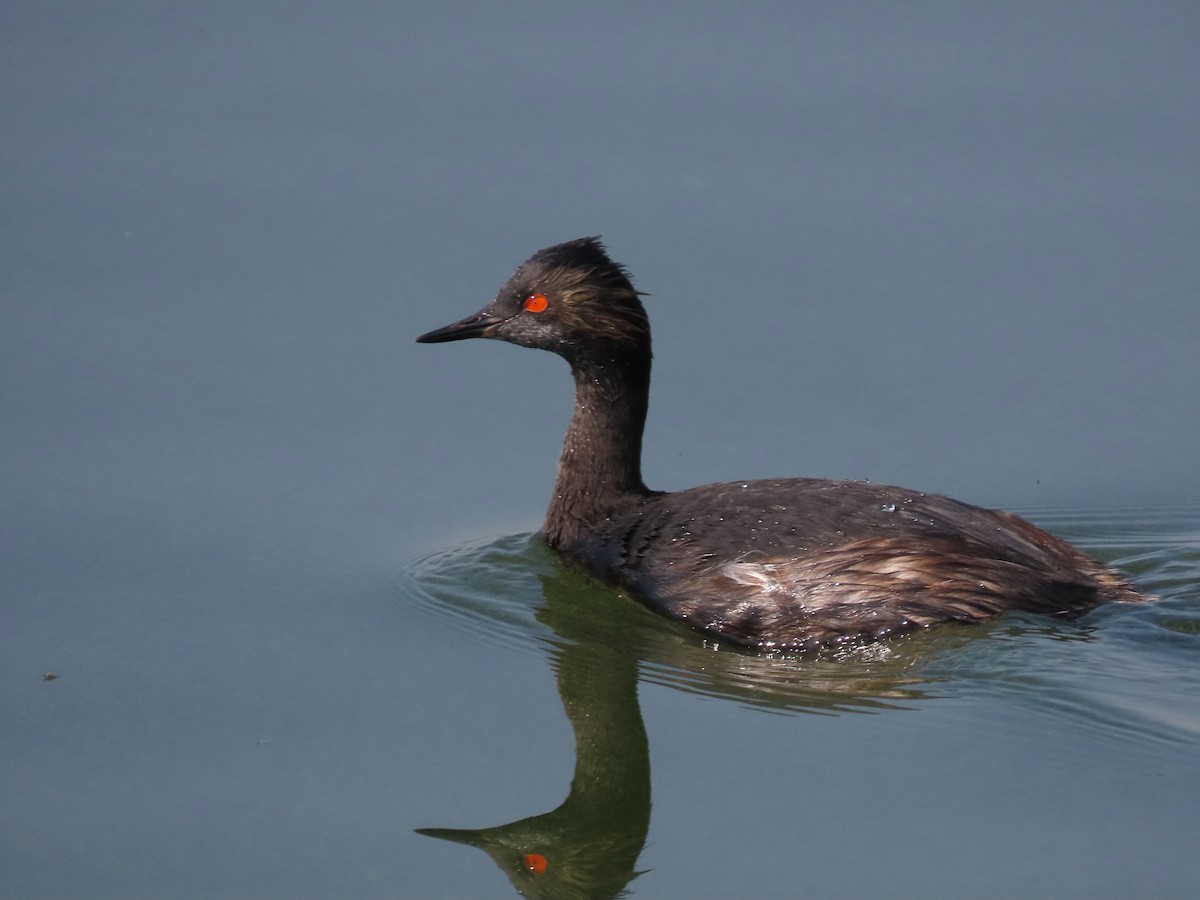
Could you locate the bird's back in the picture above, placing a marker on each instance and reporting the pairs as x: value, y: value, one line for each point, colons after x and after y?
x: 802, y: 562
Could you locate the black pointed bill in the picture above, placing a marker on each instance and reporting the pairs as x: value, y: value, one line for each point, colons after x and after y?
x: 474, y: 326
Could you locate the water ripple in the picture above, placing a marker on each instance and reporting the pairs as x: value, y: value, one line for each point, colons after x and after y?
x: 513, y: 592
x: 1124, y: 671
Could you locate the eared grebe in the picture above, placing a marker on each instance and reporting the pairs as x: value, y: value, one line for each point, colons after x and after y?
x: 789, y: 563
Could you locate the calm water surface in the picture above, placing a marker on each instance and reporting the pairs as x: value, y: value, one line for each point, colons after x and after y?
x: 481, y: 718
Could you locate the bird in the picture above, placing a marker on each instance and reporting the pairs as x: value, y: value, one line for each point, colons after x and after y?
x: 776, y: 564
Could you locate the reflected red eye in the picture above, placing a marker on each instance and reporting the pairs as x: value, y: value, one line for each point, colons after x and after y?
x: 536, y: 303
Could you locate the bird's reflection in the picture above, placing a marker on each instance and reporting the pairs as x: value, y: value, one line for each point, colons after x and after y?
x: 589, y: 845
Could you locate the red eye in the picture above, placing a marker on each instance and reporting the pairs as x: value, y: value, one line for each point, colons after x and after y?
x: 536, y: 303
x: 535, y: 863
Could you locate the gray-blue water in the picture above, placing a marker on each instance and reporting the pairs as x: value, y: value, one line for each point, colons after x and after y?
x: 278, y: 557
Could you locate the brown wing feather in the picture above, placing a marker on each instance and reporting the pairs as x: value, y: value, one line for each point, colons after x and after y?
x: 875, y: 587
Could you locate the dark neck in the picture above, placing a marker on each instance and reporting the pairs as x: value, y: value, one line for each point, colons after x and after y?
x: 601, y: 463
